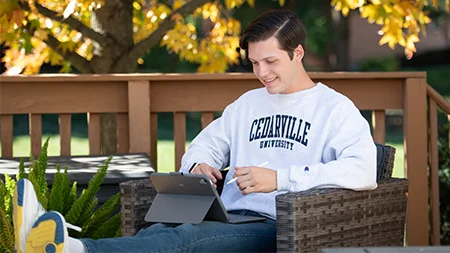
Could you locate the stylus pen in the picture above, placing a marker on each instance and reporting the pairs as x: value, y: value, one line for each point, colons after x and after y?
x: 261, y: 165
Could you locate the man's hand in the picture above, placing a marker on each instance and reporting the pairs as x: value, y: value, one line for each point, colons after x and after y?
x: 255, y: 179
x: 213, y: 173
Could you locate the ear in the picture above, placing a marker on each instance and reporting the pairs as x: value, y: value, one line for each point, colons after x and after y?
x: 299, y: 52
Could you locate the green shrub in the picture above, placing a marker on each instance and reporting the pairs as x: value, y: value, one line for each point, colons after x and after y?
x: 62, y: 197
x: 444, y: 184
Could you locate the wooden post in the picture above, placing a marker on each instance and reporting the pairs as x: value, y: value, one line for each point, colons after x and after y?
x: 6, y: 135
x: 35, y: 133
x: 379, y: 126
x: 207, y: 118
x: 94, y: 133
x: 65, y: 122
x: 179, y: 136
x: 154, y: 139
x: 434, y: 173
x: 415, y: 143
x: 139, y: 116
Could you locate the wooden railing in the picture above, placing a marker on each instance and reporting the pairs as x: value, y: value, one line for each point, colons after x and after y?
x: 137, y: 99
x: 435, y: 100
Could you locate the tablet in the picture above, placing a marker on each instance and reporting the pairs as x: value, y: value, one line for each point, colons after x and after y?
x: 189, y: 198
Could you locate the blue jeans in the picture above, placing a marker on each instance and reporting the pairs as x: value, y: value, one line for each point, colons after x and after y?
x: 208, y: 236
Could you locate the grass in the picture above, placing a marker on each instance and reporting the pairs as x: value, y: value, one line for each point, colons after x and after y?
x: 166, y: 151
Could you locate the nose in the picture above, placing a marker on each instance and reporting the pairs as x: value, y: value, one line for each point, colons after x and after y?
x: 260, y: 70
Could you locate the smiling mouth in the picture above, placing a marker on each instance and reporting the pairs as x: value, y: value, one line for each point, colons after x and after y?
x: 269, y: 81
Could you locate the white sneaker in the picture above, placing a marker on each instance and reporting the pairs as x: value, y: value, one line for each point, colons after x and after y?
x: 48, y: 235
x: 26, y: 210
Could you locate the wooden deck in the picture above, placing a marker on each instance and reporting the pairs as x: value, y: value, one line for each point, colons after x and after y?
x: 138, y: 98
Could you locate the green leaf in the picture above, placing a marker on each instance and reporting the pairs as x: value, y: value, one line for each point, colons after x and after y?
x: 83, y: 202
x: 56, y: 199
x: 101, y: 215
x: 22, y: 173
x: 109, y: 228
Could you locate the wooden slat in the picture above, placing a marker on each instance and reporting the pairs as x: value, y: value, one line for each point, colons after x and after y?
x: 154, y: 139
x: 94, y: 133
x: 70, y: 97
x: 415, y: 144
x: 123, y: 130
x: 207, y: 117
x: 196, y: 96
x: 434, y: 173
x: 439, y: 99
x: 200, y: 76
x: 139, y: 116
x: 379, y: 126
x: 65, y: 133
x: 36, y: 133
x: 179, y: 131
x: 6, y: 135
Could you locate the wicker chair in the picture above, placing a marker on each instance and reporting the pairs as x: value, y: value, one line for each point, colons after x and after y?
x: 311, y: 220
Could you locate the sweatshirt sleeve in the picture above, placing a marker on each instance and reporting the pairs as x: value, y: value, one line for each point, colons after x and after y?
x: 353, y: 149
x: 212, y: 144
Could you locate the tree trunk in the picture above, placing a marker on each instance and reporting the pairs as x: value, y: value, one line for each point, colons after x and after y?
x: 115, y: 20
x: 339, y: 56
x: 108, y: 125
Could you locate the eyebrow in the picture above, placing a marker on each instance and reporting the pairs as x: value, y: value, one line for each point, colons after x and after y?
x: 263, y: 58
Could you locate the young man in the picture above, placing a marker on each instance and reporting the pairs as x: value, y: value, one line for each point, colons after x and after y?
x: 307, y: 134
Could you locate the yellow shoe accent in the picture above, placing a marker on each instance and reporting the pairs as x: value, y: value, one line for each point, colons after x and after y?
x: 26, y: 210
x: 48, y: 235
x: 17, y: 219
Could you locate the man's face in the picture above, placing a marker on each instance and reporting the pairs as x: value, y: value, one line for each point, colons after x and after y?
x: 273, y: 67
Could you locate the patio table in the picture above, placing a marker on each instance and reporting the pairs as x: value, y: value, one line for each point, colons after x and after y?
x: 122, y: 167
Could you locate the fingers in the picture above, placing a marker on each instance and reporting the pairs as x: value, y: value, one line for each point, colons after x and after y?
x: 241, y: 171
x: 248, y: 190
x: 209, y: 171
x: 244, y: 182
x: 216, y: 173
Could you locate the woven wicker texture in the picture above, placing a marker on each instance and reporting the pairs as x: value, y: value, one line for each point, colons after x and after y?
x: 136, y: 196
x: 311, y: 220
x: 315, y: 219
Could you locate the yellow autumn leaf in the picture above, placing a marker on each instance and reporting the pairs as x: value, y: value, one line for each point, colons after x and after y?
x: 389, y: 38
x: 251, y: 3
x: 67, y: 46
x: 177, y: 4
x: 376, y: 2
x: 435, y: 3
x: 410, y: 40
x: 282, y: 2
x: 18, y: 17
x: 229, y: 4
x: 353, y: 4
x: 136, y: 6
x: 370, y: 12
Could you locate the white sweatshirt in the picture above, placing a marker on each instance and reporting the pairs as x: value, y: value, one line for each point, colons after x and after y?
x: 312, y: 138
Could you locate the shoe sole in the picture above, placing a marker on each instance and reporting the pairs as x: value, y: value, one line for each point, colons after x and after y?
x: 47, y: 235
x: 18, y: 211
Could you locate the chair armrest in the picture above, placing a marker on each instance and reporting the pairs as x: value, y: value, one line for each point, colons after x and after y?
x: 136, y: 196
x: 324, y: 218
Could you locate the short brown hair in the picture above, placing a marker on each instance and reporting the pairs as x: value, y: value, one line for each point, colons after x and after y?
x: 283, y: 24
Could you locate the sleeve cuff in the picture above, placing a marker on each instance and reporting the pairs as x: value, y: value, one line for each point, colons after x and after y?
x: 283, y: 179
x: 194, y: 165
